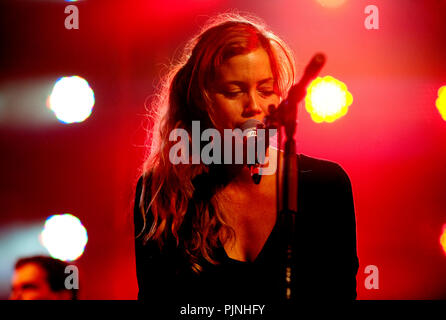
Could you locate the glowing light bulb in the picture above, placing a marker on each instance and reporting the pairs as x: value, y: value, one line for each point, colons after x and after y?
x: 64, y: 237
x: 331, y: 3
x: 327, y: 99
x: 443, y: 239
x: 441, y: 102
x: 71, y: 100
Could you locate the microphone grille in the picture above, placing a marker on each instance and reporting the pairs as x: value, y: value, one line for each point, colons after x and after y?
x: 252, y: 123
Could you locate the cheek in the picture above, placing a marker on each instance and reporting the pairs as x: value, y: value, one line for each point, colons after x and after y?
x: 225, y: 111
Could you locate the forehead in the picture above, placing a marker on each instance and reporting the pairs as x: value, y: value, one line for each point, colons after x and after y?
x: 250, y: 67
x: 29, y: 272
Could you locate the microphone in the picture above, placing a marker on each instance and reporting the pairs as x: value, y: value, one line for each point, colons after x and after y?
x: 286, y: 112
x: 298, y: 91
x: 251, y: 139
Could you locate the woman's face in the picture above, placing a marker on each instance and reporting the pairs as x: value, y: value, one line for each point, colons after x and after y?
x: 244, y: 89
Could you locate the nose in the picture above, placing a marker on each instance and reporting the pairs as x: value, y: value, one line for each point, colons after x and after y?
x: 252, y: 106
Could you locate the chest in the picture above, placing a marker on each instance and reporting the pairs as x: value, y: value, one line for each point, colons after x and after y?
x: 252, y: 217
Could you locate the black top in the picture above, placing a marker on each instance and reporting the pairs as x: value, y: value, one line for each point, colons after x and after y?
x: 326, y: 264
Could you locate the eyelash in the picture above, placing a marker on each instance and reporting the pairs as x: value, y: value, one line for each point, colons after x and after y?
x: 267, y: 93
x: 234, y: 94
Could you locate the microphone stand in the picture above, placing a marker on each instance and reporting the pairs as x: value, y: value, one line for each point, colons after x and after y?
x: 285, y: 115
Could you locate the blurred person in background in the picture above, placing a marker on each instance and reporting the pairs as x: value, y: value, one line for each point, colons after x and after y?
x: 40, y: 278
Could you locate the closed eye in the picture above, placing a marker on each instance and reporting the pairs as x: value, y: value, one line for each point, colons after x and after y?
x: 232, y: 94
x: 29, y: 286
x: 266, y: 93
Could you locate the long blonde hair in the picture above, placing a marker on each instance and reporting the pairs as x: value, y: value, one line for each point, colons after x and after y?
x: 178, y: 204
